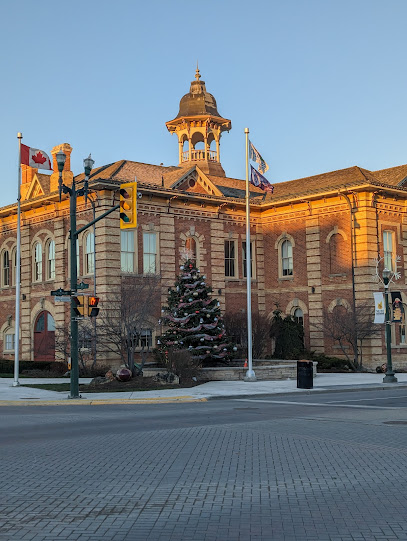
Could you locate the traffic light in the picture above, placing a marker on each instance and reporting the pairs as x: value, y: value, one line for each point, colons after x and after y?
x: 128, y: 205
x: 93, y: 309
x: 79, y: 305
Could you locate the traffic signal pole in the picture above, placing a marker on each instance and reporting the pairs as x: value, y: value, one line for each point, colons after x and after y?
x: 129, y: 194
x: 74, y: 386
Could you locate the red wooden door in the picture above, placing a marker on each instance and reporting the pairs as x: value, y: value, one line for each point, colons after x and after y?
x: 44, y: 337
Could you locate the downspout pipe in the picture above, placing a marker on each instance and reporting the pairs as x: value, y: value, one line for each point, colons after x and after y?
x: 352, y: 247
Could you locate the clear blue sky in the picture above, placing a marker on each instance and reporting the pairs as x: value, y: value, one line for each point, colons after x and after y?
x: 321, y: 84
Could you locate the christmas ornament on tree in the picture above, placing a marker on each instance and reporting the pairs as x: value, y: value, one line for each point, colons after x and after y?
x: 200, y: 330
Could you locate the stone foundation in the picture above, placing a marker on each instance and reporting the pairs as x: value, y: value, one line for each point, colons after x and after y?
x: 264, y: 370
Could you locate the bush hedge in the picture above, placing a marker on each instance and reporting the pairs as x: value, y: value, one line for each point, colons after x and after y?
x: 331, y: 363
x: 7, y: 366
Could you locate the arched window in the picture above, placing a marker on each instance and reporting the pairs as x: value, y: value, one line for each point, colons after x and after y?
x: 9, y: 340
x: 286, y: 258
x: 89, y: 253
x: 298, y: 316
x: 337, y: 254
x: 13, y: 266
x: 190, y: 245
x: 37, y: 270
x: 5, y: 274
x: 51, y: 260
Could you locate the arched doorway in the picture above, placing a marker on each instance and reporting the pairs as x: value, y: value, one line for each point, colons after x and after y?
x: 44, y: 337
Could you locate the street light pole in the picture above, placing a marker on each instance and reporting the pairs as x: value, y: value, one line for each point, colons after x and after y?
x: 73, y: 235
x: 389, y: 377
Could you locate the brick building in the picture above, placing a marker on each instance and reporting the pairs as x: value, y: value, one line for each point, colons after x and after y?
x: 314, y: 240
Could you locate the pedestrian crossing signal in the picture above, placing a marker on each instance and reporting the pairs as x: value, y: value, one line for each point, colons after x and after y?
x: 128, y: 205
x: 93, y: 309
x: 79, y: 305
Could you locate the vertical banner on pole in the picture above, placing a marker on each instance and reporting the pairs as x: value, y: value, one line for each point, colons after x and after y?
x: 379, y: 308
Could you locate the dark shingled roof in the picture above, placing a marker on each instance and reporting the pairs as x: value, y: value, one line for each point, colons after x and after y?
x: 154, y: 175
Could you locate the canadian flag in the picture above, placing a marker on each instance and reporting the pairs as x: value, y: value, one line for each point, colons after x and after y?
x: 33, y: 157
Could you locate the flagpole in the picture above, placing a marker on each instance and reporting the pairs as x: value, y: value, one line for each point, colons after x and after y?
x: 18, y: 272
x: 250, y: 375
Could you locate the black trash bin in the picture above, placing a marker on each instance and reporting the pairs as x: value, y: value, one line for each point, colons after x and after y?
x: 305, y: 375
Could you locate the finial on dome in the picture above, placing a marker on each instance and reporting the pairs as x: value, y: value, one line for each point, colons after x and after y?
x: 197, y: 74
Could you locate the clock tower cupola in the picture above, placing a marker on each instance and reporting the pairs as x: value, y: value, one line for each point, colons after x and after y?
x: 199, y: 127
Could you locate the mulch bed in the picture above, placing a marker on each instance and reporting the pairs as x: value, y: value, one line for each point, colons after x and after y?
x: 135, y: 384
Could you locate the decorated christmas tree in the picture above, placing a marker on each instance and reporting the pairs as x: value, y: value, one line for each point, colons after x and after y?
x: 194, y: 320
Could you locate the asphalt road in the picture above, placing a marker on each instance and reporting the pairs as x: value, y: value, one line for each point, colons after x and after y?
x: 326, y: 466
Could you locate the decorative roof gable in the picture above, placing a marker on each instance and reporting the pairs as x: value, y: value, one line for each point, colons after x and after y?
x: 196, y: 181
x: 39, y: 186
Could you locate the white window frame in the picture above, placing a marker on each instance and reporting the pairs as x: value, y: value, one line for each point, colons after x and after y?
x: 388, y: 249
x: 50, y: 260
x: 128, y: 258
x: 150, y: 256
x: 288, y: 257
x: 231, y: 260
x: 5, y: 269
x: 13, y: 265
x: 9, y: 334
x: 37, y: 262
x: 252, y: 259
x: 89, y: 253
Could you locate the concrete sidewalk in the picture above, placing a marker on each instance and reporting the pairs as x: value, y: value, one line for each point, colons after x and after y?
x: 21, y: 395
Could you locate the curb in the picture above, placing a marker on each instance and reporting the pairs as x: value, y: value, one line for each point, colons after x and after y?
x: 102, y: 402
x: 308, y: 392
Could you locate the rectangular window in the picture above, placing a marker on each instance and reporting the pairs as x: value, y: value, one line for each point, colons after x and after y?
x: 9, y: 342
x: 90, y: 253
x: 127, y: 255
x: 230, y: 258
x: 388, y: 250
x: 85, y: 340
x: 403, y: 333
x: 149, y: 253
x: 245, y: 260
x: 146, y: 338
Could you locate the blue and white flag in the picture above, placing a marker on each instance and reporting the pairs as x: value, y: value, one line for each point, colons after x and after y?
x: 261, y: 182
x: 255, y: 156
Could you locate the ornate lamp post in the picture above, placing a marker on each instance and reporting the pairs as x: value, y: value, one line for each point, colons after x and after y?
x: 386, y: 279
x: 73, y: 235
